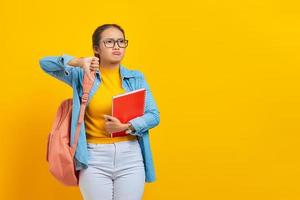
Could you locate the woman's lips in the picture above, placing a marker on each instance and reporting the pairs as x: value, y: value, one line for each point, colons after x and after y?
x: 116, y: 53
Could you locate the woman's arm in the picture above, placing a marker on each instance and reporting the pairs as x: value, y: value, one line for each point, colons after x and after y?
x: 61, y: 67
x: 151, y: 118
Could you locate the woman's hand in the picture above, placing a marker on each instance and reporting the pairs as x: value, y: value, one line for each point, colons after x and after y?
x: 113, y: 124
x: 88, y: 64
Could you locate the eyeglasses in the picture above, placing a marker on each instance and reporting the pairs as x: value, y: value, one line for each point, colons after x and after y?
x: 110, y: 43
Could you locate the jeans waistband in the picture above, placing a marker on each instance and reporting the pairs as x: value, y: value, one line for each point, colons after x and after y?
x: 120, y: 142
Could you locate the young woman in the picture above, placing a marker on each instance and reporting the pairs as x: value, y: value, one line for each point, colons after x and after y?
x: 110, y: 168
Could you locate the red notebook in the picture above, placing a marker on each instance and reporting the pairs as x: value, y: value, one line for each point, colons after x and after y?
x: 128, y: 106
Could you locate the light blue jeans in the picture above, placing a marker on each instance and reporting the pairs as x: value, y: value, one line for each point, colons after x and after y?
x: 115, y: 172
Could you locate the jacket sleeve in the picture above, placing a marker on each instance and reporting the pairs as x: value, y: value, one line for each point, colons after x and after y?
x: 151, y: 117
x: 57, y: 67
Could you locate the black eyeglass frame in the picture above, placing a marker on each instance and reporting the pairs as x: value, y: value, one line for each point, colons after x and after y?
x: 115, y: 41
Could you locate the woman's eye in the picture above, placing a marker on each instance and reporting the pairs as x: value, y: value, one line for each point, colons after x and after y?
x: 121, y: 41
x: 109, y: 41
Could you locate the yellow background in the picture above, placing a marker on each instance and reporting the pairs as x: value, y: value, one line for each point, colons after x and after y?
x: 224, y: 74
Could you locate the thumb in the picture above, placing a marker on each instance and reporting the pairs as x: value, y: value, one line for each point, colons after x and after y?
x: 108, y: 117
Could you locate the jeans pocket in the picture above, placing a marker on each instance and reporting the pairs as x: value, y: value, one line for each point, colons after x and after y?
x: 134, y: 147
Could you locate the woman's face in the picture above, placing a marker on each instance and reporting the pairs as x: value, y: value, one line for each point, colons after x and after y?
x: 107, y: 53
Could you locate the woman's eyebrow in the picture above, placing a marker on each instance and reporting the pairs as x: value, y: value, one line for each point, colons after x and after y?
x: 113, y: 38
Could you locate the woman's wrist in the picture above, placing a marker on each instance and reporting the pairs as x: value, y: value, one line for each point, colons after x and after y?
x: 129, y: 128
x: 75, y: 62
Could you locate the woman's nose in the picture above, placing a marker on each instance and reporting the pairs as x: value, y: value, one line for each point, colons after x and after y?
x: 116, y: 46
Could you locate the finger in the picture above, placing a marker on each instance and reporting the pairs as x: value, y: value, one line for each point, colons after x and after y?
x: 94, y: 66
x: 107, y: 117
x: 109, y: 124
x: 94, y: 62
x: 112, y: 118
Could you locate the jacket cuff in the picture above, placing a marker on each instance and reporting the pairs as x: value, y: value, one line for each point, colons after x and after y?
x: 63, y: 60
x: 138, y: 124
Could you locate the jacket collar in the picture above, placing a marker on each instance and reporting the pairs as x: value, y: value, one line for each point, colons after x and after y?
x: 125, y: 73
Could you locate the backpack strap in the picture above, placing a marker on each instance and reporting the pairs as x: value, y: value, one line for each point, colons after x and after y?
x: 87, y: 86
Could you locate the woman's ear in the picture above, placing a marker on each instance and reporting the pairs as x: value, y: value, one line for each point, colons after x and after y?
x: 96, y: 50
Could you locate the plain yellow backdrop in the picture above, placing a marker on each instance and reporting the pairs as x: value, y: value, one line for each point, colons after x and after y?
x: 225, y: 76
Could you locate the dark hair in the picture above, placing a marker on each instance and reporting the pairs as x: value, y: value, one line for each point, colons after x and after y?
x: 97, y: 34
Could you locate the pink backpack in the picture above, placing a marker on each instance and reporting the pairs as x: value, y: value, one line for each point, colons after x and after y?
x: 59, y: 153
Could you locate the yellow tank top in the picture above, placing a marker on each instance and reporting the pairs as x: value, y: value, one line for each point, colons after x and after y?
x: 100, y: 104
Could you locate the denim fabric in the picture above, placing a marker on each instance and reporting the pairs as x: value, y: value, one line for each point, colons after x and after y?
x: 57, y: 67
x: 115, y: 172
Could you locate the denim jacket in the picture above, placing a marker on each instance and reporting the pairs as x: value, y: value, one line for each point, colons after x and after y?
x: 57, y: 67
